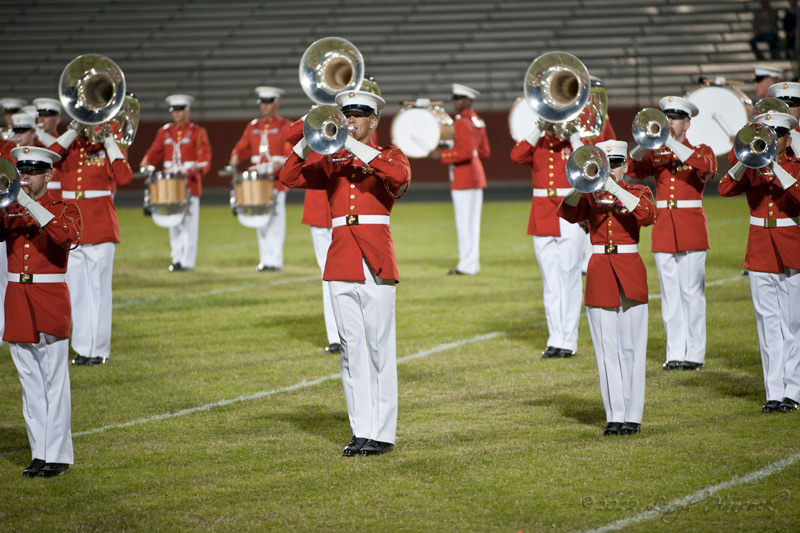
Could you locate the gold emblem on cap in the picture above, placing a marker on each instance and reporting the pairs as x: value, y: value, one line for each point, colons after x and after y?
x: 768, y: 116
x: 352, y: 94
x: 608, y: 149
x: 670, y: 99
x: 785, y: 85
x: 26, y: 150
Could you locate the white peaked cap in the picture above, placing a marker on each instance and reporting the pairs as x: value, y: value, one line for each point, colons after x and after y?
x: 47, y: 104
x: 614, y: 148
x: 463, y: 90
x: 179, y: 100
x: 269, y: 92
x: 23, y: 120
x: 34, y: 154
x: 360, y: 98
x: 762, y: 70
x: 777, y: 120
x: 678, y: 103
x: 13, y: 103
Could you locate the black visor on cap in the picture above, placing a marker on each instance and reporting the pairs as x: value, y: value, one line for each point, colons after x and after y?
x: 36, y: 167
x: 11, y: 110
x: 177, y: 108
x: 781, y: 132
x: 269, y: 100
x: 364, y: 110
x: 760, y: 78
x: 791, y: 101
x: 47, y: 112
x: 615, y: 161
x: 459, y: 96
x: 676, y: 113
x: 21, y: 129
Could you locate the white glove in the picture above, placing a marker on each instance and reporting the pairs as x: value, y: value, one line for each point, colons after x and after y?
x: 638, y: 152
x: 795, y: 142
x: 681, y: 150
x: 267, y: 169
x: 575, y: 140
x: 360, y: 150
x: 572, y: 197
x: 786, y: 179
x: 41, y: 215
x: 535, y: 134
x: 66, y: 139
x: 112, y: 149
x: 629, y: 200
x: 737, y: 171
x: 302, y: 149
x: 44, y: 137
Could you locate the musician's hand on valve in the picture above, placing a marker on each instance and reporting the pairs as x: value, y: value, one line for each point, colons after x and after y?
x: 112, y: 149
x: 362, y: 151
x: 630, y: 201
x: 41, y: 215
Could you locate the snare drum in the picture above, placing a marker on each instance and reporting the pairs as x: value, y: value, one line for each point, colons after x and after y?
x: 724, y: 110
x: 521, y: 119
x: 167, y: 198
x: 418, y: 131
x: 252, y: 198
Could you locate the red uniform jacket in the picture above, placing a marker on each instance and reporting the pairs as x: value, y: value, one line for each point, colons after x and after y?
x: 248, y: 148
x: 194, y: 147
x: 355, y: 189
x: 769, y: 249
x: 613, y: 224
x: 682, y: 228
x: 548, y: 160
x: 316, y: 210
x: 470, y: 145
x: 85, y: 167
x: 37, y: 308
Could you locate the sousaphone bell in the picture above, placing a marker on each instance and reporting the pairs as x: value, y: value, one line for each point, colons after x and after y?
x: 650, y: 128
x: 755, y: 145
x: 329, y: 66
x: 92, y: 89
x: 587, y: 169
x: 557, y: 86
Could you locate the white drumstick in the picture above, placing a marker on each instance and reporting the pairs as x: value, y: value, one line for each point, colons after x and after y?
x: 722, y: 124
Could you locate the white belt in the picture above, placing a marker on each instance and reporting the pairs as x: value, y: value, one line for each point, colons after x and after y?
x: 615, y: 248
x: 543, y: 193
x: 774, y: 222
x: 36, y: 278
x: 53, y: 184
x: 80, y: 195
x: 355, y: 220
x: 672, y: 204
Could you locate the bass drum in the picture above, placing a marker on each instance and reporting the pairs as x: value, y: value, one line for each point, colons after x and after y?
x: 418, y: 131
x: 252, y: 198
x: 521, y: 119
x: 167, y: 198
x: 724, y: 110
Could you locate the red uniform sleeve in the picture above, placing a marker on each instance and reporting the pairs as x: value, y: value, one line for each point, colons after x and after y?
x: 393, y: 168
x: 484, y: 150
x: 66, y: 228
x: 645, y: 211
x: 574, y: 213
x: 303, y: 174
x: 704, y: 161
x: 120, y: 170
x: 463, y: 144
x: 641, y: 169
x: 202, y: 147
x: 522, y: 153
x: 241, y: 149
x: 728, y: 186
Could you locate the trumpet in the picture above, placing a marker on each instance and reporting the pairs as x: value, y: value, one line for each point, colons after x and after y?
x: 755, y: 145
x: 9, y: 183
x: 587, y: 169
x: 650, y: 128
x: 329, y: 66
x: 325, y: 129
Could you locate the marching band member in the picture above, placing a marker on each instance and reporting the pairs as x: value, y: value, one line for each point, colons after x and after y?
x: 763, y: 78
x: 616, y: 287
x: 317, y: 214
x: 193, y: 157
x: 558, y: 244
x: 680, y: 235
x: 48, y: 111
x: 773, y: 261
x: 90, y: 173
x: 11, y: 106
x: 789, y: 92
x: 362, y: 184
x: 467, y: 177
x: 262, y: 146
x: 38, y: 309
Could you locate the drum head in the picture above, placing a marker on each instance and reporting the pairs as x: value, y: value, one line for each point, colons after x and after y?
x: 521, y: 119
x: 723, y: 112
x: 416, y: 131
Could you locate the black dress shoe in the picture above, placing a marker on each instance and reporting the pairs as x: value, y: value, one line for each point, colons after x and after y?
x: 629, y: 428
x: 672, y: 365
x: 550, y: 351
x: 53, y: 469
x: 264, y: 268
x: 354, y: 446
x: 92, y: 361
x: 787, y: 405
x: 34, y: 468
x: 771, y: 406
x: 612, y: 428
x: 174, y: 267
x: 374, y: 447
x: 563, y: 352
x: 80, y: 360
x: 335, y: 347
x: 456, y: 272
x: 690, y: 365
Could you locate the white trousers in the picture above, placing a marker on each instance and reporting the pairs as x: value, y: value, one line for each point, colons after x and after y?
x: 365, y: 317
x: 559, y: 261
x: 321, y: 239
x: 467, y: 205
x: 683, y: 303
x: 776, y: 301
x: 619, y: 335
x: 3, y: 285
x: 89, y: 274
x: 43, y: 369
x: 272, y: 235
x: 183, y: 237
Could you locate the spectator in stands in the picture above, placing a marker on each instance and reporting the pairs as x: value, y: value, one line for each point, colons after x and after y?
x: 765, y: 30
x: 789, y: 23
x: 764, y: 77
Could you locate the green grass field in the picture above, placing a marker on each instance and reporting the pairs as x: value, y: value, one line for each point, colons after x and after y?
x: 219, y: 410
